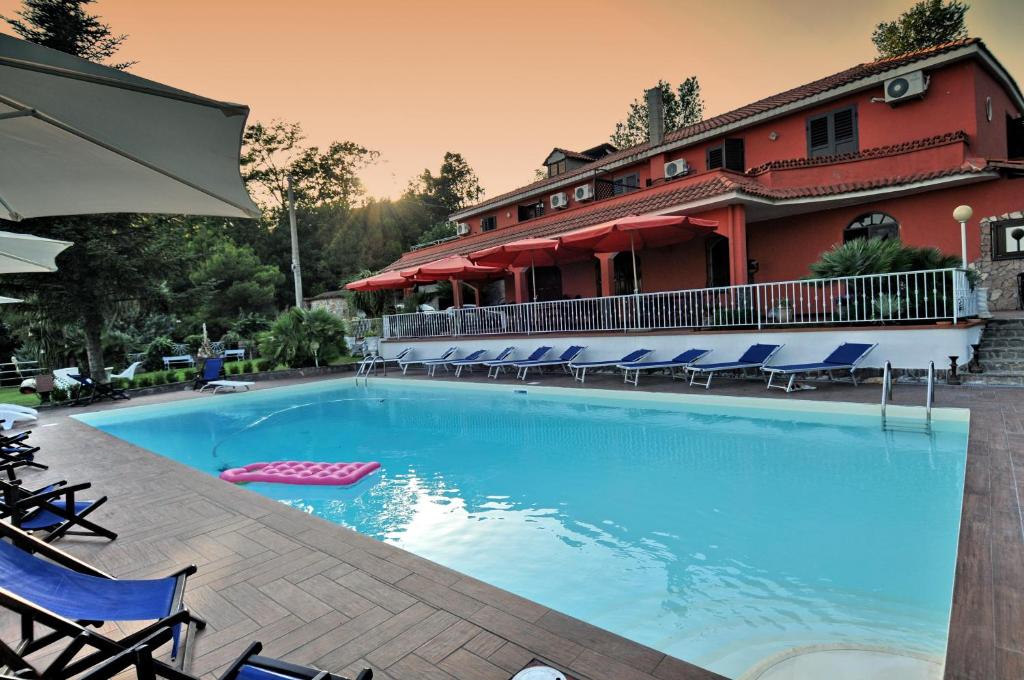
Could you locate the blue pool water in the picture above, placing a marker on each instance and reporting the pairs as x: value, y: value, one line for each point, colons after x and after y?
x: 720, y: 535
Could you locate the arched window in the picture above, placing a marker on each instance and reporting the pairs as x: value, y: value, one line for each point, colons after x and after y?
x: 872, y: 225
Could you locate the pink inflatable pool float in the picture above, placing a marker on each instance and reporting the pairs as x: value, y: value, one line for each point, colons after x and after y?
x: 300, y: 472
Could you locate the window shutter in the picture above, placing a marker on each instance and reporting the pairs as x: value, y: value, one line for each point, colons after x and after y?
x: 818, y: 137
x: 734, y: 155
x: 715, y: 157
x: 844, y: 131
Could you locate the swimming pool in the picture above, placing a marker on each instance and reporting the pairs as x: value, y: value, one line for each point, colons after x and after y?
x: 721, y: 531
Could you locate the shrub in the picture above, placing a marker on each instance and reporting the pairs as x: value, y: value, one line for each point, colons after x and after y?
x: 263, y: 365
x: 190, y: 374
x: 58, y: 394
x: 171, y: 377
x: 233, y: 368
x: 158, y: 348
x: 247, y: 367
x: 145, y: 381
x: 159, y: 378
x: 301, y: 338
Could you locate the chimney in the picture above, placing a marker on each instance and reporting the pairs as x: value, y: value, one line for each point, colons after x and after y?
x: 655, y: 117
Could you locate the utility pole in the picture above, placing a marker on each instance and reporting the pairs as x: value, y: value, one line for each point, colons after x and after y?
x: 296, y: 268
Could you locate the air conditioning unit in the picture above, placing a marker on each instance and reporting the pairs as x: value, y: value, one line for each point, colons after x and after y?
x: 676, y: 169
x: 559, y: 200
x: 462, y: 229
x: 905, y: 87
x: 584, y: 192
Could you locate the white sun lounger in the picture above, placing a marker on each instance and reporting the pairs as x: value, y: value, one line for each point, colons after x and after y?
x: 432, y: 364
x: 756, y: 356
x: 405, y: 363
x: 233, y: 385
x: 494, y: 366
x: 682, y: 361
x: 468, y: 362
x: 579, y: 368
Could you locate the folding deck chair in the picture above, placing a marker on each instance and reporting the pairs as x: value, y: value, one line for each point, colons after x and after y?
x: 248, y: 666
x: 579, y: 368
x: 469, y: 363
x: 406, y: 363
x: 48, y: 587
x: 570, y: 354
x: 472, y: 357
x: 97, y: 390
x: 846, y: 357
x: 494, y: 366
x: 51, y: 509
x: 679, y: 361
x: 756, y: 356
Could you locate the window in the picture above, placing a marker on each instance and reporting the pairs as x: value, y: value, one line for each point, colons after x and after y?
x: 1014, y: 137
x: 556, y: 168
x: 728, y: 155
x: 488, y: 223
x: 872, y: 225
x: 832, y: 133
x: 626, y: 184
x: 1008, y: 240
x: 531, y: 211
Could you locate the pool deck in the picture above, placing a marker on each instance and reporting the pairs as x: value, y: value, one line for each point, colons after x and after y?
x: 316, y: 593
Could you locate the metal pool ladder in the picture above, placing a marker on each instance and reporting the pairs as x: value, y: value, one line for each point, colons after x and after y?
x: 887, y: 380
x: 368, y: 365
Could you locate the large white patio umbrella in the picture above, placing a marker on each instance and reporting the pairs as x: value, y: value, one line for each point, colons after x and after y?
x: 25, y: 254
x: 79, y: 138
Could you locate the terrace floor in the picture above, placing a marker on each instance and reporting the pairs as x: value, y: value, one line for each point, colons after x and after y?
x: 316, y: 593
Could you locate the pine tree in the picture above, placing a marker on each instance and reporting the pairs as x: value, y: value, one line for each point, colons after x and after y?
x: 66, y: 26
x: 926, y: 24
x: 682, y: 106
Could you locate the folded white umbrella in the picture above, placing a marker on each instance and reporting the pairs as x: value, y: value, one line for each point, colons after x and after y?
x: 25, y: 254
x: 79, y: 138
x: 9, y: 301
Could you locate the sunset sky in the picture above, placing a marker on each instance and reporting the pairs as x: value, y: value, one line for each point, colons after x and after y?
x: 500, y: 82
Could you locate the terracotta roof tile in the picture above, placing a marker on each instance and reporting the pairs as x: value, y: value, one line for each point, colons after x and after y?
x: 876, y: 152
x: 791, y: 96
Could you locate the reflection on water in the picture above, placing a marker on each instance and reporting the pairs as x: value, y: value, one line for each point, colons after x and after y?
x: 720, y: 538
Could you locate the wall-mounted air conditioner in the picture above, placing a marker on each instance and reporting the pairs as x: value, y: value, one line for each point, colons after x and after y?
x: 559, y: 200
x: 905, y: 87
x: 462, y: 229
x: 676, y: 169
x: 584, y: 192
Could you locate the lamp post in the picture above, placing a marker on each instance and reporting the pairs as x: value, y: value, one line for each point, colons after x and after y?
x: 962, y: 214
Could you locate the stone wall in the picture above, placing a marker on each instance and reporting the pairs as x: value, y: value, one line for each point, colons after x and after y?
x: 999, y: 276
x: 337, y: 306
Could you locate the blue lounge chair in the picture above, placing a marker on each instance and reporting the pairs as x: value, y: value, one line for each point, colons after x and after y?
x: 495, y: 366
x: 846, y: 357
x: 432, y: 364
x: 579, y: 368
x: 48, y: 587
x: 248, y: 666
x: 756, y: 356
x: 469, y: 363
x: 97, y: 390
x: 405, y: 363
x: 570, y: 354
x: 212, y: 370
x: 51, y: 509
x: 679, y: 361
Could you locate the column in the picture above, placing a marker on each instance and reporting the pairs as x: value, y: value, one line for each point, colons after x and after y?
x: 737, y: 233
x: 607, y: 273
x: 521, y: 287
x: 456, y: 293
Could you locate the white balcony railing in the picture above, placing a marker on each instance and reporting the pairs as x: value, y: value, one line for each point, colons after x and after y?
x: 932, y: 295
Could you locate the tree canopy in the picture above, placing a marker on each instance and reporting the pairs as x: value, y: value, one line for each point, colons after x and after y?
x: 683, y: 106
x: 65, y: 25
x: 928, y: 23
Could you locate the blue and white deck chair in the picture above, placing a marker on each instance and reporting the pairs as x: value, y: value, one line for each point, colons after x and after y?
x: 469, y: 363
x: 570, y: 354
x: 579, y: 368
x: 432, y: 364
x: 756, y: 356
x: 682, y: 361
x: 846, y: 357
x: 495, y: 366
x: 406, y: 362
x: 48, y: 587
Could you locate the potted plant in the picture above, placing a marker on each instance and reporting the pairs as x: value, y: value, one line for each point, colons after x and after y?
x: 784, y: 311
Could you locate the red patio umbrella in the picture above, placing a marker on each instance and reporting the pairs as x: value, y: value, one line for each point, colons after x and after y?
x: 644, y: 231
x: 386, y: 281
x: 451, y: 267
x: 527, y: 252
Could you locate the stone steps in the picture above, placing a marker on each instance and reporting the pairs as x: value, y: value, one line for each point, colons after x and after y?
x: 1001, y: 354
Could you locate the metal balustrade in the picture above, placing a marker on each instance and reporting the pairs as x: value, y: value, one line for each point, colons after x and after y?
x: 930, y: 295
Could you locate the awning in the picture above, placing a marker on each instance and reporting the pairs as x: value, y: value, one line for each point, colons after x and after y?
x: 80, y: 138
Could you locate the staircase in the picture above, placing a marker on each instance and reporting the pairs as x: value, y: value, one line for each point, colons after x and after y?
x: 1001, y: 354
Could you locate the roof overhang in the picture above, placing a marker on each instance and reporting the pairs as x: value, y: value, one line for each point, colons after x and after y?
x: 967, y: 51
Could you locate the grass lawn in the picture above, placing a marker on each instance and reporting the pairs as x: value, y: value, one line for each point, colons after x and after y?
x: 11, y: 395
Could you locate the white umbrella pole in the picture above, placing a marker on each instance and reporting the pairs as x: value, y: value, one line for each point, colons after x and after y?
x: 296, y: 269
x: 632, y: 250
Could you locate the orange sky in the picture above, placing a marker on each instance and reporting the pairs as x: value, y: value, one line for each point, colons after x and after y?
x: 500, y: 82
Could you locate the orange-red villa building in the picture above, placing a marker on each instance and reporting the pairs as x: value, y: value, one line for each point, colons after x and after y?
x: 885, y: 149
